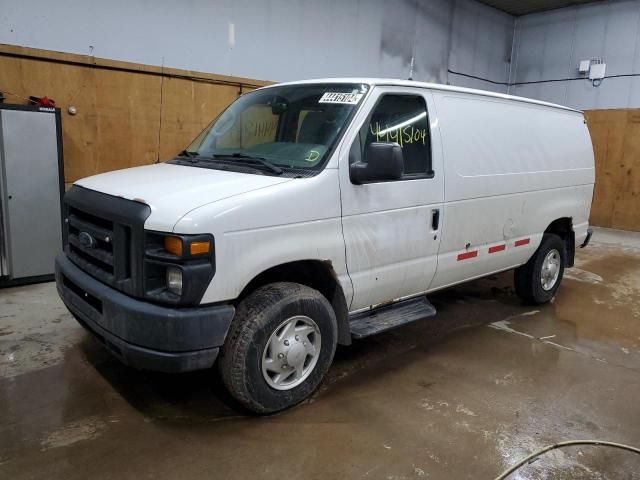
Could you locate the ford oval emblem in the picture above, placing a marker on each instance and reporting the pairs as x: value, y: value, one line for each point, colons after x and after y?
x: 86, y: 240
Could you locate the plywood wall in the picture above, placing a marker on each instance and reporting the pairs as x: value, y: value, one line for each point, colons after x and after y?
x: 127, y: 114
x: 616, y: 142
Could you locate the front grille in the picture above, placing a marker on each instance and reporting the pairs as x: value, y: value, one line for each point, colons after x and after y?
x: 113, y: 232
x: 98, y: 257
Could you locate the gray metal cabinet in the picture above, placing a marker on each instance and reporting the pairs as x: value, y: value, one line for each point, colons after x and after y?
x: 31, y: 187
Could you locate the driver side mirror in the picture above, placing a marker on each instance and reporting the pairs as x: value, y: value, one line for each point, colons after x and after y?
x: 383, y: 162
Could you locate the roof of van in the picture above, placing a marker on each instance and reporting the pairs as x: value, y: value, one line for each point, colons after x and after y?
x: 433, y: 86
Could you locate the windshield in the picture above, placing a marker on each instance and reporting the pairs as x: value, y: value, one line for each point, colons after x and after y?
x: 291, y: 128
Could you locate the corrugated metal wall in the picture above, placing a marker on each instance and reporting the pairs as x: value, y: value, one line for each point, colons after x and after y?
x: 291, y: 39
x: 550, y: 45
x: 481, y: 44
x: 276, y: 39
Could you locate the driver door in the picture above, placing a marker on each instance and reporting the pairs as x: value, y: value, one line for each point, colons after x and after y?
x: 392, y: 228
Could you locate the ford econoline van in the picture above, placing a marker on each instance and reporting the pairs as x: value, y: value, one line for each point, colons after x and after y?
x: 309, y: 214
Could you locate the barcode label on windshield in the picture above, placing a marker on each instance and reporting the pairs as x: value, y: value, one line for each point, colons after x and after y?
x: 337, y: 97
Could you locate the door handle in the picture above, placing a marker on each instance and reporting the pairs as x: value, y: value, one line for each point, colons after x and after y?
x: 435, y: 219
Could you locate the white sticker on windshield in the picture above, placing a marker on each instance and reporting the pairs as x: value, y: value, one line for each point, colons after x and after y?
x: 338, y: 97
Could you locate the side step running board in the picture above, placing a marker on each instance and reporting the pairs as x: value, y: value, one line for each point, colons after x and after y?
x: 382, y: 319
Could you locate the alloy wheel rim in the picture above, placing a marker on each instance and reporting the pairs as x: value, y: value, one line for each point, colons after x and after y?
x: 291, y: 353
x: 550, y: 270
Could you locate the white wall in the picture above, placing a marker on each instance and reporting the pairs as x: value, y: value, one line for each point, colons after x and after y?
x: 274, y: 39
x: 550, y: 45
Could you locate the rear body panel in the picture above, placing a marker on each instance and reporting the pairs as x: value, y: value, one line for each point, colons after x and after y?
x: 511, y: 169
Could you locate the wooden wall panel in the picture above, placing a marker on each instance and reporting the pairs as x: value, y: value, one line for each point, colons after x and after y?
x: 626, y: 212
x: 616, y: 142
x: 127, y: 114
x: 607, y: 134
x: 187, y: 108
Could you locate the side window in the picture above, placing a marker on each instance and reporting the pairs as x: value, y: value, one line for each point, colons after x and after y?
x: 401, y: 119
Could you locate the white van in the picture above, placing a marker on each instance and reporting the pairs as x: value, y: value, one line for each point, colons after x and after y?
x: 312, y: 213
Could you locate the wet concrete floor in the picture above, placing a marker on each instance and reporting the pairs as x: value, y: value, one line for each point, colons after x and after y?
x: 460, y: 396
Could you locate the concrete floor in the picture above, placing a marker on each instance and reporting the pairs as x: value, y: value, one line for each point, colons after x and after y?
x: 460, y: 396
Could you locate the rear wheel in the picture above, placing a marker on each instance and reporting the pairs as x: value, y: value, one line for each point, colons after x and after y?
x: 279, y: 347
x: 538, y: 280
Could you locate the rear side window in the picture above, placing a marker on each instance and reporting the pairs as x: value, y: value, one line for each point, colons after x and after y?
x: 402, y: 119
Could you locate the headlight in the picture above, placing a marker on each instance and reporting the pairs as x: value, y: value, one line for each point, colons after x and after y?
x: 174, y: 280
x: 178, y: 267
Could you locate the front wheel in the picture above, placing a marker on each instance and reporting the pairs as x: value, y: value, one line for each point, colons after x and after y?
x: 279, y: 347
x: 537, y: 281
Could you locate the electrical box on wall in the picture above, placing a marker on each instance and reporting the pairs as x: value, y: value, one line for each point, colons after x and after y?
x: 584, y: 66
x: 597, y: 71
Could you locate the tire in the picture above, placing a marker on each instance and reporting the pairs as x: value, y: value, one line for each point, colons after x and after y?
x: 530, y: 284
x: 271, y: 315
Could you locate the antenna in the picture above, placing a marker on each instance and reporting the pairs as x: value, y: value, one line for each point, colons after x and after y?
x: 411, y: 68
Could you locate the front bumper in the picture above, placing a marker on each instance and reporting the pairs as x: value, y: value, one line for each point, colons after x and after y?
x: 142, y: 334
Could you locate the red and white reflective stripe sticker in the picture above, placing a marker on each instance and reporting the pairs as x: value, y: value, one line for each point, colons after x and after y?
x: 493, y: 249
x: 497, y: 248
x: 467, y: 255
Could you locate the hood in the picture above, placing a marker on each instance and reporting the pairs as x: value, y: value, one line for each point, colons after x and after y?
x: 173, y: 190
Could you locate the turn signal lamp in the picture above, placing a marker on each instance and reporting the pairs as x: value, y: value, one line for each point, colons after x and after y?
x: 173, y: 245
x: 198, y: 248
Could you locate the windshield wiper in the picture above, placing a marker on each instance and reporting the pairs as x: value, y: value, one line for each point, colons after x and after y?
x: 190, y: 155
x: 256, y: 161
